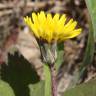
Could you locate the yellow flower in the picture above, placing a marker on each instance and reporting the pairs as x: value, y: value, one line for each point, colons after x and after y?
x: 51, y: 29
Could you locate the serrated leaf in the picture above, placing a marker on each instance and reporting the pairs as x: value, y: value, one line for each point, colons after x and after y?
x: 19, y: 73
x: 5, y: 89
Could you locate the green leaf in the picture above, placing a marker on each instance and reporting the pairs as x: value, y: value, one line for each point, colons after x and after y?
x: 37, y: 89
x: 91, y: 5
x: 60, y: 59
x: 87, y: 89
x: 47, y: 80
x: 5, y: 89
x: 60, y: 54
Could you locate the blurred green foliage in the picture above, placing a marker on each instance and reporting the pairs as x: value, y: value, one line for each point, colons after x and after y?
x: 91, y: 5
x: 87, y: 89
x: 5, y: 89
x: 89, y: 52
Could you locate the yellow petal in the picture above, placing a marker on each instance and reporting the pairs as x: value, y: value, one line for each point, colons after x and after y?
x: 68, y: 24
x: 56, y: 17
x: 72, y: 34
x: 71, y: 27
x: 61, y: 24
x: 62, y: 19
x: 41, y: 21
x: 25, y: 19
x: 34, y: 17
x: 33, y: 27
x: 49, y: 35
x: 49, y: 25
x: 49, y: 22
x: 49, y: 17
x: 42, y: 16
x: 35, y: 31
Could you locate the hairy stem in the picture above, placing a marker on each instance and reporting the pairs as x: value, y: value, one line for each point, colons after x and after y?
x: 53, y: 80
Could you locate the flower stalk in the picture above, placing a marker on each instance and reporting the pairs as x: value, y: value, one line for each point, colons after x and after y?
x: 53, y: 80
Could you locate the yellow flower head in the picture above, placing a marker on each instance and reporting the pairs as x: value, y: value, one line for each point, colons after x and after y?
x: 50, y: 29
